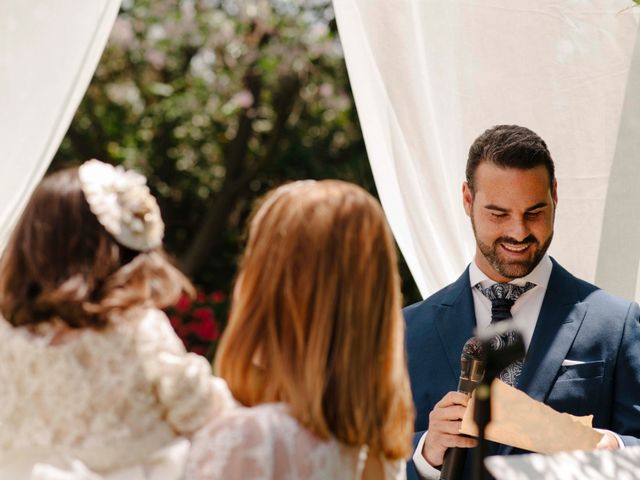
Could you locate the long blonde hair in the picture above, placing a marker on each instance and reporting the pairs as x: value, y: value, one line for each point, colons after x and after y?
x: 316, y: 319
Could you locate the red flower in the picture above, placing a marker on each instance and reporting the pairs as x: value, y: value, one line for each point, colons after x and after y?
x: 176, y: 322
x: 178, y: 326
x: 207, y: 327
x: 183, y: 304
x: 218, y: 297
x: 204, y: 315
x: 200, y: 350
x: 194, y: 321
x: 207, y: 330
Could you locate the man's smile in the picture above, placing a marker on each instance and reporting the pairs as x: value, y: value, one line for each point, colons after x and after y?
x: 511, y: 248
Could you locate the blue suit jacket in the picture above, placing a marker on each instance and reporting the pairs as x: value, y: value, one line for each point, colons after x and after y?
x: 577, y: 321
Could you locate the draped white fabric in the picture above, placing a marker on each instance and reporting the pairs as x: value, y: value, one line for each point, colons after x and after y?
x: 430, y: 75
x: 48, y: 53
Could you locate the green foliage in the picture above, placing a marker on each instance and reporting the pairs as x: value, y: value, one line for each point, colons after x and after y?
x: 217, y: 101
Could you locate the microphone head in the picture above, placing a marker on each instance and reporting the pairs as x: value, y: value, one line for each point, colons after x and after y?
x: 473, y: 348
x: 496, y: 351
x: 471, y: 365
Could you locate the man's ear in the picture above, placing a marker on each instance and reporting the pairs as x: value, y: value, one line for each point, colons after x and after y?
x: 467, y: 198
x: 554, y: 191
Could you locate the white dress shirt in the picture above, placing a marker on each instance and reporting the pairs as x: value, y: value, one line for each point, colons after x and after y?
x: 525, y: 310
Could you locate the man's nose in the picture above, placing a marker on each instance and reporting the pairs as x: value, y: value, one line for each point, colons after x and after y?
x: 518, y: 230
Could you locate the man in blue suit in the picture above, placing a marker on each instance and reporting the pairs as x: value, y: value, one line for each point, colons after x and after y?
x: 582, y: 344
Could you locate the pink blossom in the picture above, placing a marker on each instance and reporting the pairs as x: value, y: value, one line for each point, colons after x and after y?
x: 242, y: 99
x: 122, y: 33
x: 156, y: 58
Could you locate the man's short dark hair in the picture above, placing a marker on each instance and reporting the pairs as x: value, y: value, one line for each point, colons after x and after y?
x: 509, y: 146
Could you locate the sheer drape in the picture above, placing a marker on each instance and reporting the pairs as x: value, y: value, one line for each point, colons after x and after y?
x: 430, y: 75
x: 48, y: 53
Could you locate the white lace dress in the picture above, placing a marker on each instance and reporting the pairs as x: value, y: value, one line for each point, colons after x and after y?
x: 266, y: 443
x: 117, y: 403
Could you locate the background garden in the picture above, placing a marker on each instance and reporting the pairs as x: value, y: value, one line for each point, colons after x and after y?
x: 216, y: 102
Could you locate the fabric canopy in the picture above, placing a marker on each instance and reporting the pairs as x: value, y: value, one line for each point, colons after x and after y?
x: 48, y: 53
x: 430, y: 75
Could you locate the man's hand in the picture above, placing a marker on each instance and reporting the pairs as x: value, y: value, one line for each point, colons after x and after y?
x: 444, y: 424
x: 608, y: 440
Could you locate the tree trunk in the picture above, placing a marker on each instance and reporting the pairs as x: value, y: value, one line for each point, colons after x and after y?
x: 239, y: 174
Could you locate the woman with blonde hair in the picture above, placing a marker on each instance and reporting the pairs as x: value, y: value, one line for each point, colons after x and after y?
x: 94, y: 383
x: 314, y: 346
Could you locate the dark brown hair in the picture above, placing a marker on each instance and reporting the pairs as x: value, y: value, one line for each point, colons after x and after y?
x: 61, y: 264
x: 316, y: 319
x: 509, y: 146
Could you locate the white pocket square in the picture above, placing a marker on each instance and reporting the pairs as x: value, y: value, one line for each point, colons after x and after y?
x: 567, y: 363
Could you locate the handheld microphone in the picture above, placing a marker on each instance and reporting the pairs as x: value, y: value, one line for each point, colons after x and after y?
x: 471, y: 372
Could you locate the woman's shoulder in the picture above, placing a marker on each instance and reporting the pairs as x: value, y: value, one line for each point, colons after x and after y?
x: 55, y: 336
x: 267, y: 442
x: 150, y: 328
x: 255, y: 423
x: 56, y: 333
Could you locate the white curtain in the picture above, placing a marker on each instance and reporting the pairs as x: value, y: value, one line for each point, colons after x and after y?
x: 48, y: 53
x: 430, y: 75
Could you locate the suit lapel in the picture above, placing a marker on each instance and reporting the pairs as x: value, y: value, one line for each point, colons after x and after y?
x: 558, y: 323
x: 455, y: 320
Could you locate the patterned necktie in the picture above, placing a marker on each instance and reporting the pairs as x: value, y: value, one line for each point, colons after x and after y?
x: 503, y: 296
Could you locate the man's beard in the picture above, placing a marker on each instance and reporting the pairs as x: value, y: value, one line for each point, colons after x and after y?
x: 510, y: 268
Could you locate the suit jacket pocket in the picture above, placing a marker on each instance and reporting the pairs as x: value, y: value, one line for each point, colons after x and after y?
x: 581, y: 371
x: 577, y: 388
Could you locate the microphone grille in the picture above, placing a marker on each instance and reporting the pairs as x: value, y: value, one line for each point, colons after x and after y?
x: 473, y: 348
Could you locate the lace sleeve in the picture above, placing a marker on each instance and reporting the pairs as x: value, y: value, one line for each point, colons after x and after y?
x: 184, y: 382
x: 265, y: 443
x: 235, y: 446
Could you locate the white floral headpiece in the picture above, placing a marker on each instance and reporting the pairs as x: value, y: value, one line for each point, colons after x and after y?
x: 123, y: 204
